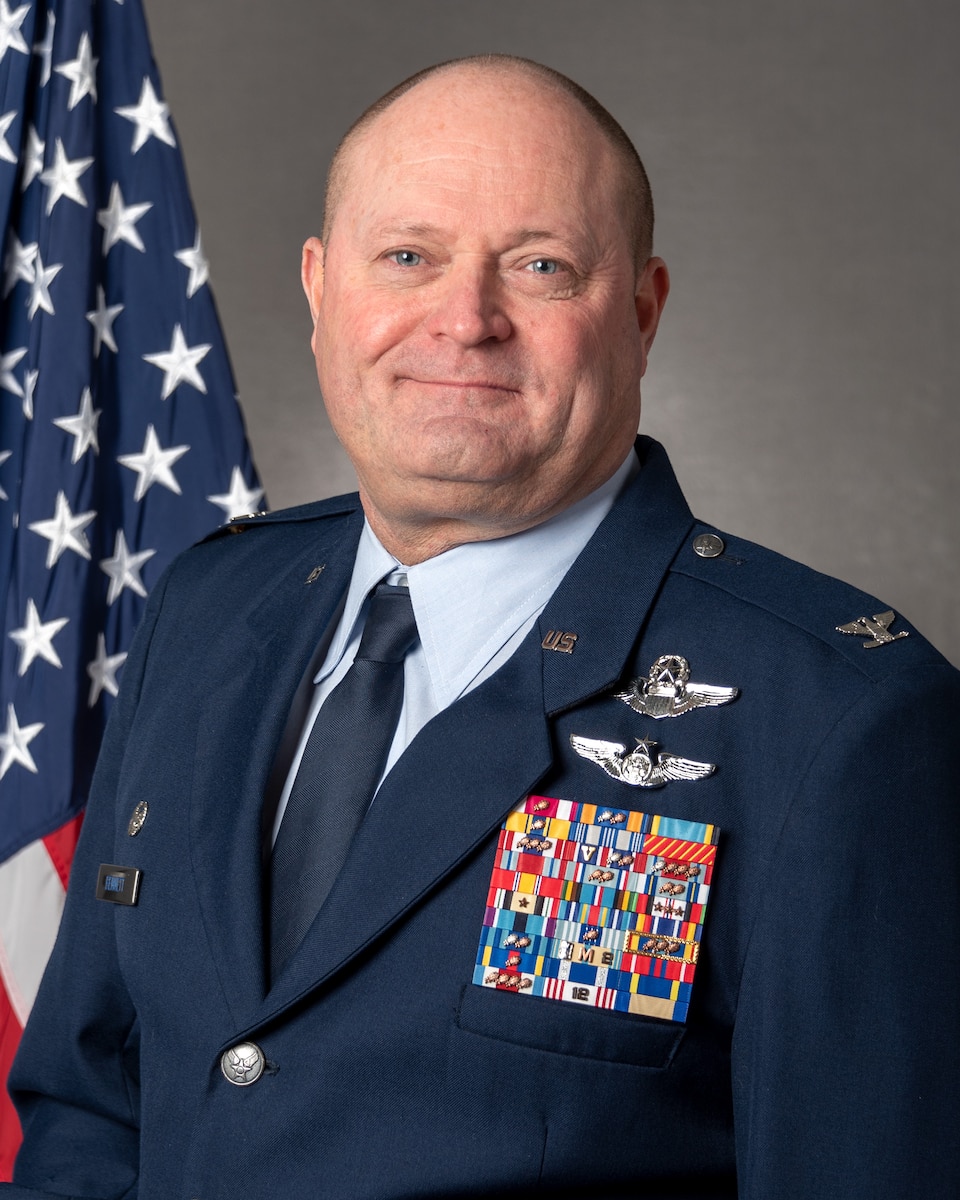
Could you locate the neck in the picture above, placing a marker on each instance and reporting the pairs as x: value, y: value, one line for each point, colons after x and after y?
x: 412, y: 542
x: 413, y: 536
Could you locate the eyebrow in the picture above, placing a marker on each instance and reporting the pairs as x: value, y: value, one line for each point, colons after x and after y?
x: 520, y: 237
x: 409, y: 229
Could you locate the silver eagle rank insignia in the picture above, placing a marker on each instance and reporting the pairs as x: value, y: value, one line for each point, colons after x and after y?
x: 642, y: 767
x: 668, y: 692
x: 875, y: 629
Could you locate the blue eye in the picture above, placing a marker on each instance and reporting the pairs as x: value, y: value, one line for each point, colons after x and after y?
x: 544, y: 266
x: 406, y: 258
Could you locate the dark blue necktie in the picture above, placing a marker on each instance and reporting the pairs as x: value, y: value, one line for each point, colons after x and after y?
x: 341, y: 766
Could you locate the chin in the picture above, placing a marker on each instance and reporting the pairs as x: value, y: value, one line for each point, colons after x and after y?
x: 465, y: 456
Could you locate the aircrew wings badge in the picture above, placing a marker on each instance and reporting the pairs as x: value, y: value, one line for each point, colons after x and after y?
x: 597, y: 906
x: 668, y: 690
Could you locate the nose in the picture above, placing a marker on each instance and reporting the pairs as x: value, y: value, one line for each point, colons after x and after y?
x: 468, y: 307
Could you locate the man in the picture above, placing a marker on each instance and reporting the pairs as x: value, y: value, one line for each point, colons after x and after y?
x: 658, y: 893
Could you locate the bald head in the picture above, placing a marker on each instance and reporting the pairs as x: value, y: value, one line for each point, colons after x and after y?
x: 635, y: 197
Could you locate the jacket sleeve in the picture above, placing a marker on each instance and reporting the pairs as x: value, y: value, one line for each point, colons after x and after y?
x: 75, y: 1078
x: 845, y: 1060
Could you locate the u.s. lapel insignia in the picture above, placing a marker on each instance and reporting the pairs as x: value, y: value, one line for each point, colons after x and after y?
x: 876, y: 629
x: 668, y: 692
x: 611, y: 916
x: 557, y: 639
x: 643, y: 766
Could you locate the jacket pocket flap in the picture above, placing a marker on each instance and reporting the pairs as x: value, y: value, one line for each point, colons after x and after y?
x: 563, y: 1028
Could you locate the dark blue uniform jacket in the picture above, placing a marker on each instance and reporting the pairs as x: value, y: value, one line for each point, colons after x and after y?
x: 819, y: 1058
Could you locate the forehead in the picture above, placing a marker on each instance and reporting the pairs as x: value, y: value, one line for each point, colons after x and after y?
x: 478, y: 142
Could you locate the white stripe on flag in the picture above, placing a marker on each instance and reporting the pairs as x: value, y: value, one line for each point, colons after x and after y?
x: 31, y: 901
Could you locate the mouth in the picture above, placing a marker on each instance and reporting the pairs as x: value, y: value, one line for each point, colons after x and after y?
x: 461, y: 385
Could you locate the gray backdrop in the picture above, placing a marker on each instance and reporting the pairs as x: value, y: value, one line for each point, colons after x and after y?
x: 804, y: 161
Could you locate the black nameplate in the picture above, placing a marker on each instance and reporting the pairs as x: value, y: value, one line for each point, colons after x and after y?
x: 119, y: 885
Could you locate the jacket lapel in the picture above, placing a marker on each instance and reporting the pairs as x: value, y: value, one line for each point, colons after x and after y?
x: 606, y: 595
x: 248, y: 707
x: 443, y: 797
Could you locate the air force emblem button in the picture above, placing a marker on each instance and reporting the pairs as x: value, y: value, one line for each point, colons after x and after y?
x: 242, y: 1064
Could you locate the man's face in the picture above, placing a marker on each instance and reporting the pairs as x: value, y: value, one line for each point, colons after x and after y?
x: 480, y: 333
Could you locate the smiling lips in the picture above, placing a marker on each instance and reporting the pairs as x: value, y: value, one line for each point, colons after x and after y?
x: 463, y: 385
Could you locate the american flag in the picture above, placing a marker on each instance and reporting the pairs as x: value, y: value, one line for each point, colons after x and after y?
x: 120, y: 438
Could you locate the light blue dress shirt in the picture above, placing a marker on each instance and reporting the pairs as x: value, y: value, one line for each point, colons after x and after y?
x: 474, y: 605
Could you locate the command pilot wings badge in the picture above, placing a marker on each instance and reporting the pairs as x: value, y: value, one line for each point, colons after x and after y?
x: 642, y: 767
x: 668, y: 692
x: 876, y: 629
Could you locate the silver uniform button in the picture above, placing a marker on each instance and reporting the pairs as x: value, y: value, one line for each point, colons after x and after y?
x: 242, y: 1064
x: 708, y: 545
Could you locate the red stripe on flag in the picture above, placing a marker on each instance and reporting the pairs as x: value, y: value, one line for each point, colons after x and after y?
x: 9, y: 1124
x: 61, y: 845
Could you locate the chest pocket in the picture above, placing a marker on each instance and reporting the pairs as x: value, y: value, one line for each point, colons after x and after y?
x: 569, y: 1029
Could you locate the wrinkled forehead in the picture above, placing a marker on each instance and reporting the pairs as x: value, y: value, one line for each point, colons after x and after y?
x: 500, y: 126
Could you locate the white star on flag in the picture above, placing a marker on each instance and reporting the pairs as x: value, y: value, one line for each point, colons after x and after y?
x: 82, y: 73
x: 119, y: 221
x: 180, y: 363
x: 124, y: 568
x: 192, y: 258
x: 14, y: 742
x: 32, y: 158
x: 63, y: 178
x: 82, y: 427
x: 18, y: 264
x: 153, y: 464
x: 7, y: 152
x: 151, y: 116
x: 29, y: 385
x: 45, y: 49
x: 4, y: 455
x: 240, y: 499
x: 103, y: 672
x: 40, y: 287
x: 9, y: 381
x: 12, y: 39
x: 35, y: 639
x: 102, y: 319
x: 64, y: 531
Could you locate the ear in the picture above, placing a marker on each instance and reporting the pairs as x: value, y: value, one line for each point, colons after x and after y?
x: 311, y: 275
x: 653, y: 285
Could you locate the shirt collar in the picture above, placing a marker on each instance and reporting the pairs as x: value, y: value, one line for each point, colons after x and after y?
x: 469, y: 601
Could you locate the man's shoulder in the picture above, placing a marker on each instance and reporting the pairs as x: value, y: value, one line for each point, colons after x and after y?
x: 288, y: 520
x: 272, y: 543
x: 779, y: 597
